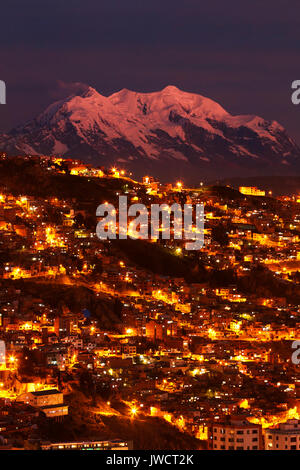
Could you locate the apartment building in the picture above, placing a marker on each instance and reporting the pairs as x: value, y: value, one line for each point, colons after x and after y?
x: 235, y: 433
x: 285, y: 436
x: 50, y: 402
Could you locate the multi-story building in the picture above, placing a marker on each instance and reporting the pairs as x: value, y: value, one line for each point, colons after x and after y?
x: 50, y: 402
x: 63, y: 325
x: 115, y: 444
x: 285, y: 436
x: 235, y: 433
x: 251, y: 191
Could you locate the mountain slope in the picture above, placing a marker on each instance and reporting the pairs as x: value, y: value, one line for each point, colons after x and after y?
x: 170, y: 133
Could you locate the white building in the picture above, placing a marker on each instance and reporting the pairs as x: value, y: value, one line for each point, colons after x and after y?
x: 2, y: 353
x: 235, y: 433
x: 286, y: 436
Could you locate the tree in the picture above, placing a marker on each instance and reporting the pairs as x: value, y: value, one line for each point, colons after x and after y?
x: 220, y: 235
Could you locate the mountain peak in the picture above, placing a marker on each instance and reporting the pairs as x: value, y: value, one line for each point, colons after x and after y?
x: 160, y: 103
x: 171, y: 129
x: 171, y: 89
x: 89, y: 91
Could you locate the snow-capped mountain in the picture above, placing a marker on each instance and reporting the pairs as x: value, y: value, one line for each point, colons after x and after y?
x: 169, y: 133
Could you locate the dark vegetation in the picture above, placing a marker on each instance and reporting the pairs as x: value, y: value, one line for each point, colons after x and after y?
x: 21, y: 176
x: 76, y: 298
x: 160, y: 260
x: 263, y: 283
x: 83, y: 422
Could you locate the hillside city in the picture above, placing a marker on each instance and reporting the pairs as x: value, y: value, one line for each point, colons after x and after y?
x: 142, y: 344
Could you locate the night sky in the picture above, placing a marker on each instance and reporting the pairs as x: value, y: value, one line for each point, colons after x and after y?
x: 243, y: 54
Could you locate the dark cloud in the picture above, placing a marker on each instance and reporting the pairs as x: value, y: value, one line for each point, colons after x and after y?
x: 65, y: 89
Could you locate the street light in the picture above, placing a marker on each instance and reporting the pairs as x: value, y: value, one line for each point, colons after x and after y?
x: 133, y: 411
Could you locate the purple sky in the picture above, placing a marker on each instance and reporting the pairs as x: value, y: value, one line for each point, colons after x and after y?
x: 243, y: 54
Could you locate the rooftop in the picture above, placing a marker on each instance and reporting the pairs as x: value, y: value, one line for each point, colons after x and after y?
x: 40, y: 393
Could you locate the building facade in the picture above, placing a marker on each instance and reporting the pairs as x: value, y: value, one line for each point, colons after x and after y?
x: 235, y: 434
x: 286, y: 436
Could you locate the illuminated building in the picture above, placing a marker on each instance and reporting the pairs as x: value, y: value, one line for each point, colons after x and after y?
x: 235, y: 433
x: 148, y: 179
x: 50, y: 402
x: 115, y: 444
x: 286, y: 436
x: 63, y: 326
x: 2, y: 354
x: 251, y: 191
